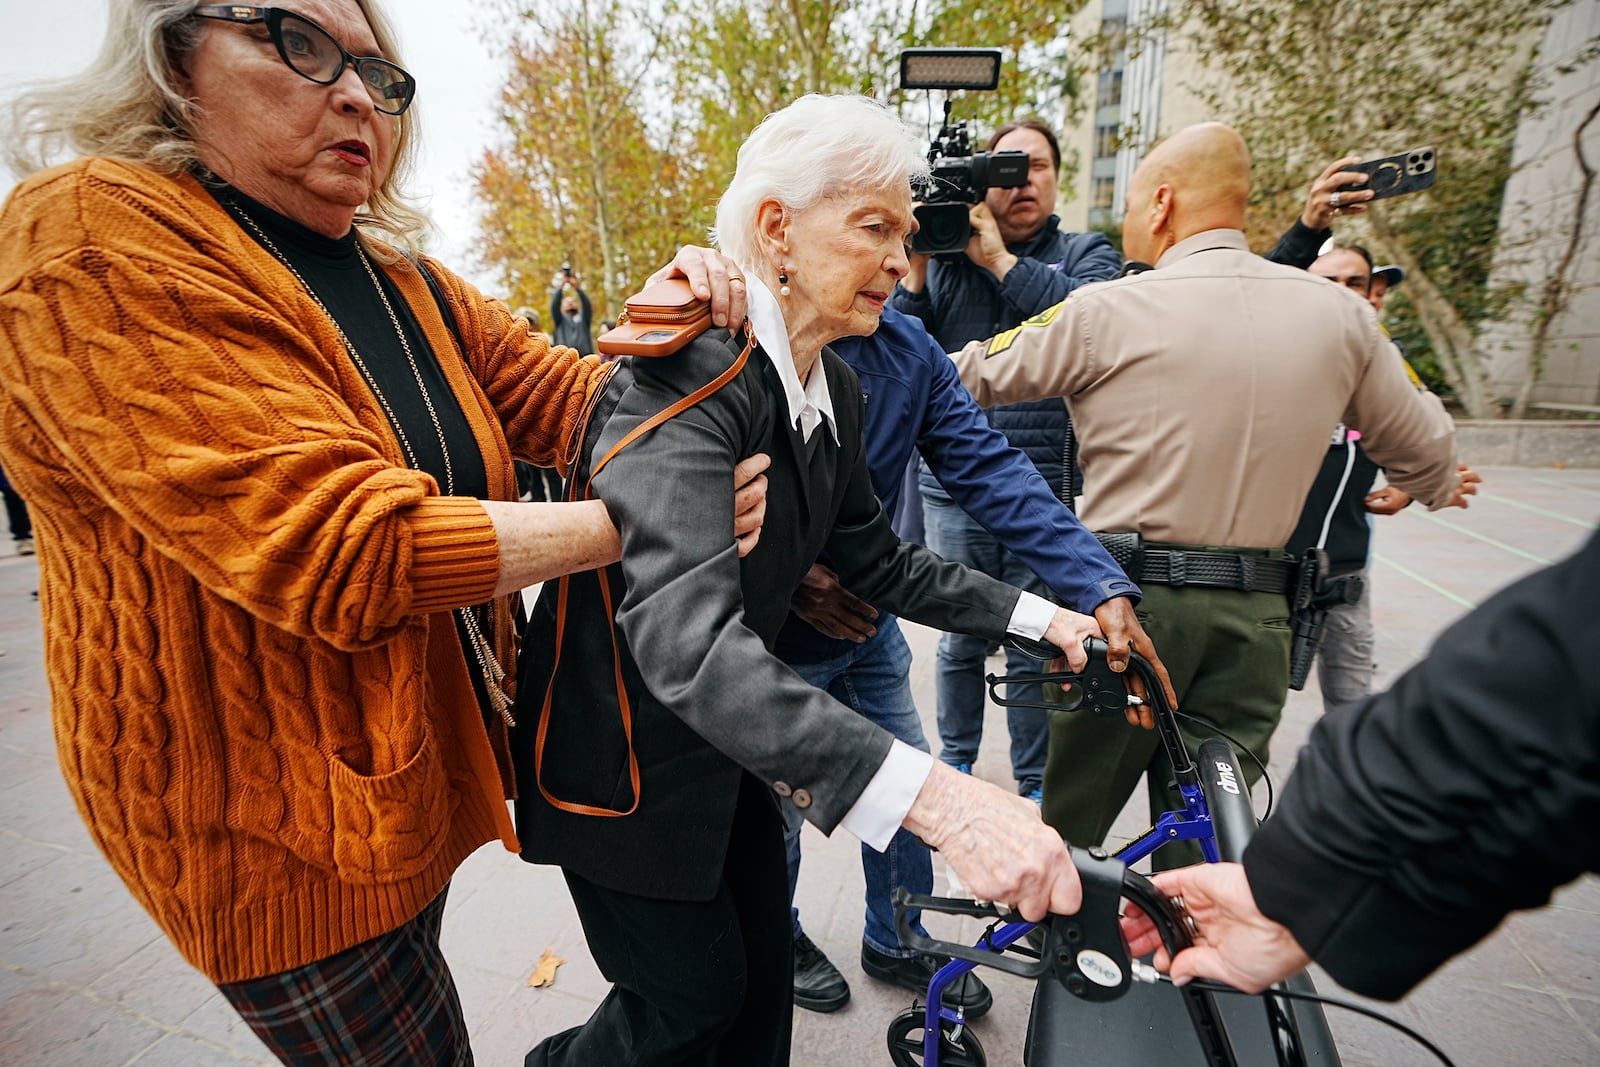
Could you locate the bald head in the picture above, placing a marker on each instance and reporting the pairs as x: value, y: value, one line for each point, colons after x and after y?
x: 1197, y: 179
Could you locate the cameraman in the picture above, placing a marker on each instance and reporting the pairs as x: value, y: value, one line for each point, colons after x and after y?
x: 571, y: 317
x: 1016, y: 264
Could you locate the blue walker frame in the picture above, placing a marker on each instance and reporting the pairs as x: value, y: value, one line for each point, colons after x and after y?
x: 1104, y: 692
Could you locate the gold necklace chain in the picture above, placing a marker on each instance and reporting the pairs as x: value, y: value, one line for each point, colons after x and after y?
x: 493, y: 673
x: 361, y: 364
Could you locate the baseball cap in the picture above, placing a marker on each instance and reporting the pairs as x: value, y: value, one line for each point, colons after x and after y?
x: 1390, y: 273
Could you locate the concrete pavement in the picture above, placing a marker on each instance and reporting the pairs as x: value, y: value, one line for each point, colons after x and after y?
x: 86, y: 978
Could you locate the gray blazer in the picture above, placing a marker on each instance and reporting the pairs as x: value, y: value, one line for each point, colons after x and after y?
x: 695, y: 626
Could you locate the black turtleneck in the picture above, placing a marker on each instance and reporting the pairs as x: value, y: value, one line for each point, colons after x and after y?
x: 333, y: 270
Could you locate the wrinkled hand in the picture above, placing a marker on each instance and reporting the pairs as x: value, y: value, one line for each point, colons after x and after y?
x: 712, y: 276
x: 1320, y: 207
x: 986, y: 247
x: 749, y: 501
x: 1123, y: 632
x: 1467, y: 486
x: 1387, y: 501
x: 831, y: 608
x: 996, y: 843
x: 1067, y: 631
x: 1237, y: 944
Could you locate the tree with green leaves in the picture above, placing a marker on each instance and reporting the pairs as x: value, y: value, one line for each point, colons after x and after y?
x: 1305, y: 88
x: 579, y: 174
x: 621, y: 122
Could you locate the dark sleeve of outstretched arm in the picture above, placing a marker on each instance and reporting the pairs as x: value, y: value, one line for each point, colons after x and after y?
x: 1298, y: 246
x: 1417, y: 819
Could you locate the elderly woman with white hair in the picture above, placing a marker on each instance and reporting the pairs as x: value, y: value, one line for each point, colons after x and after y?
x: 655, y: 727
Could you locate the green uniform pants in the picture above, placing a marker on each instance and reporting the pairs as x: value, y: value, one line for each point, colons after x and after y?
x: 1228, y: 655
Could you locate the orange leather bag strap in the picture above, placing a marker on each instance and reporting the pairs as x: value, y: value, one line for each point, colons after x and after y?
x: 625, y: 707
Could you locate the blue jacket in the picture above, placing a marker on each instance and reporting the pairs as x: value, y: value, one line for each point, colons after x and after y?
x: 914, y: 398
x: 963, y: 302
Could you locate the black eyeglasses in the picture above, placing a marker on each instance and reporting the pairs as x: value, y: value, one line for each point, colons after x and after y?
x: 314, y: 54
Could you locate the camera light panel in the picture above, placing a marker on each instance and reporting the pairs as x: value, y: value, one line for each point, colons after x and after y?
x: 950, y: 68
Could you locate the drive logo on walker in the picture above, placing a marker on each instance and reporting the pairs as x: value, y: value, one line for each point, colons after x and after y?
x: 1226, y: 779
x: 1099, y: 968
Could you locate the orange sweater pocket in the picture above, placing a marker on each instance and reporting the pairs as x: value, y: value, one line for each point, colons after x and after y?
x: 389, y: 827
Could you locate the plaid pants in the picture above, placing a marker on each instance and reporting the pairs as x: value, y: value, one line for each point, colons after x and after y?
x: 387, y: 1001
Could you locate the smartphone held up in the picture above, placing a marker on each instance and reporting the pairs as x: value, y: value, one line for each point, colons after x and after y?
x: 1407, y: 172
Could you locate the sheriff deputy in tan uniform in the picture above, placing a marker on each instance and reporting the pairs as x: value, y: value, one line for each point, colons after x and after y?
x: 1202, y: 391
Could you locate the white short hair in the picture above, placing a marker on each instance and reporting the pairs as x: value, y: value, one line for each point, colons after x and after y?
x: 815, y: 146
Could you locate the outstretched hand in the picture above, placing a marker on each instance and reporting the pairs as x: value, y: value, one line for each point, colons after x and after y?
x: 1387, y: 501
x: 1325, y: 200
x: 1466, y: 486
x: 1236, y: 943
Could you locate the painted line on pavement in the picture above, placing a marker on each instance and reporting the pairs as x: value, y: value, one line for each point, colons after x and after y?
x: 1585, y: 523
x: 1414, y: 576
x: 1568, y: 485
x: 1486, y: 539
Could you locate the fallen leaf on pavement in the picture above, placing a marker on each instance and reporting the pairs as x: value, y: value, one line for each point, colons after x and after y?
x: 545, y: 973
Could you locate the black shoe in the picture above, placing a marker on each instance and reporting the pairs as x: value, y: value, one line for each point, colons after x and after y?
x: 818, y: 985
x: 914, y: 972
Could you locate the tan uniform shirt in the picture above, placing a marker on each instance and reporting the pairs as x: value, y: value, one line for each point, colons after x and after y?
x: 1202, y: 392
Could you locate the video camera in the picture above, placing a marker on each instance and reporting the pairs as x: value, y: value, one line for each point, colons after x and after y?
x: 960, y: 176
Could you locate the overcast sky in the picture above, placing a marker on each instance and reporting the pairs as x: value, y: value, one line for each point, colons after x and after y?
x: 457, y: 82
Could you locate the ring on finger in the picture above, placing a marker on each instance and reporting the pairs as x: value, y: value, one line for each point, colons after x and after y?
x: 1333, y: 201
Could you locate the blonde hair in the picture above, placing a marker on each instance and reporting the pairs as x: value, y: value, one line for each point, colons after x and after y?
x: 817, y: 145
x: 127, y: 105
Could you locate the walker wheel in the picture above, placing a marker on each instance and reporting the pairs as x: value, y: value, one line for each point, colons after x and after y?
x: 905, y: 1042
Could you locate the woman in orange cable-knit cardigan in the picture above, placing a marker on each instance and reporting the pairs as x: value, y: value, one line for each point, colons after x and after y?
x: 275, y: 507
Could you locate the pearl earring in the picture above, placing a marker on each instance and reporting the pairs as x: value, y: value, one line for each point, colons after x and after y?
x: 783, y: 281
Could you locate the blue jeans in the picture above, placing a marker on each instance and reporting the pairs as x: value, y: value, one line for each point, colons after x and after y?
x: 960, y: 663
x: 874, y: 679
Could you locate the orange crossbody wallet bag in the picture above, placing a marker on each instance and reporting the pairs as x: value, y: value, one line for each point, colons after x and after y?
x: 658, y: 321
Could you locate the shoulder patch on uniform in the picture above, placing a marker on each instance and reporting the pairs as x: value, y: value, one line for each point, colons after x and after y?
x: 1002, y: 341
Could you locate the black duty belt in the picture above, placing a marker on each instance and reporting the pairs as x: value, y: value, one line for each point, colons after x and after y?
x: 1180, y: 567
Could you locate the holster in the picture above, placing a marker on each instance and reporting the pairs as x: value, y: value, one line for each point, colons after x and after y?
x: 1315, y: 591
x: 1306, y: 615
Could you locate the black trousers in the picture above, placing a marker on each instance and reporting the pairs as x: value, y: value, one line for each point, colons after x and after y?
x: 16, y: 510
x: 695, y: 983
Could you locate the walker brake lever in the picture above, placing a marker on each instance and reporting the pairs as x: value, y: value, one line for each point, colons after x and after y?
x: 905, y: 901
x: 1097, y: 687
x: 1086, y: 950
